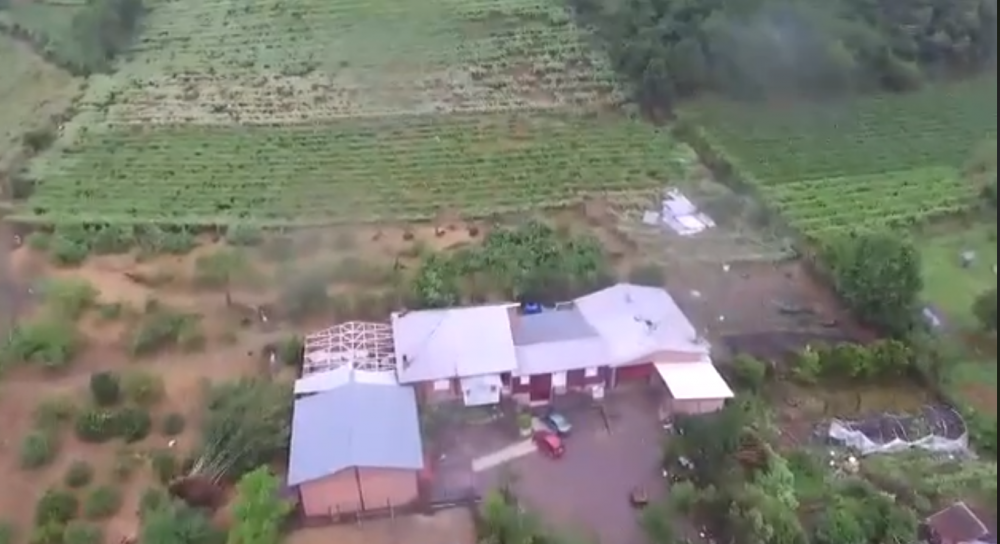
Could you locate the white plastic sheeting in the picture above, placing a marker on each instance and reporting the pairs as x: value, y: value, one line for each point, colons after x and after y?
x: 937, y: 428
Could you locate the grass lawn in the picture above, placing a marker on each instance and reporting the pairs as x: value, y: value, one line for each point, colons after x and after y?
x: 950, y: 288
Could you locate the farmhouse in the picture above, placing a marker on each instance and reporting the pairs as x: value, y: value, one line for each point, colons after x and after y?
x: 620, y: 335
x: 355, y: 442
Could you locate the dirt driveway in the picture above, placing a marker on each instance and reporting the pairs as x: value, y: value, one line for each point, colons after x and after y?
x: 588, y: 489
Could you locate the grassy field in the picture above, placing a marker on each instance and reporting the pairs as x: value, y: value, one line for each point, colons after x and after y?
x: 346, y: 111
x: 47, y: 24
x: 871, y: 162
x: 951, y: 288
x: 30, y: 90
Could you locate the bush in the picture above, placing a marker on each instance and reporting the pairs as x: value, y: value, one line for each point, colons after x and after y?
x: 82, y: 533
x: 290, y: 351
x: 132, y: 424
x: 50, y: 533
x: 102, y: 502
x: 143, y: 388
x: 153, y: 499
x: 106, y: 389
x: 173, y: 424
x: 38, y: 450
x: 165, y: 466
x: 161, y: 328
x: 749, y: 373
x: 53, y: 412
x: 95, y: 425
x: 79, y: 474
x: 56, y: 507
x: 50, y: 343
x: 68, y: 298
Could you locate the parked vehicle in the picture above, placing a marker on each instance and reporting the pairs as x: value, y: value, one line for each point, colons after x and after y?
x: 549, y: 444
x: 558, y: 423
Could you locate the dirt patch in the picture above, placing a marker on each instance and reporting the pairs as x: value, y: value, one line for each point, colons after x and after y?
x: 446, y: 527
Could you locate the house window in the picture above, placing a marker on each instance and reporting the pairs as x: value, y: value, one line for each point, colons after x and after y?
x: 524, y: 380
x: 590, y: 372
x: 442, y: 385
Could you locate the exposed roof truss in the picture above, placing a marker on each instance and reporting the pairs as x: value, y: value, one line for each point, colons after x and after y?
x: 362, y: 345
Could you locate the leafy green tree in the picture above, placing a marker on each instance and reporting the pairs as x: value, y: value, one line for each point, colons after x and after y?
x: 878, y: 275
x: 176, y: 523
x: 259, y: 509
x: 985, y: 309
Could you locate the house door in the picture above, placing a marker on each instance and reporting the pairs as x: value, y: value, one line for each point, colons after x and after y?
x: 541, y: 387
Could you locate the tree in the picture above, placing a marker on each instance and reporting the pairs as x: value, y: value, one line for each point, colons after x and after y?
x: 176, y: 523
x: 878, y: 275
x: 985, y: 309
x: 247, y: 424
x: 259, y: 510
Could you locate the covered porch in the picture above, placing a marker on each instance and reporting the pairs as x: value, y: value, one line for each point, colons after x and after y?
x: 691, y: 388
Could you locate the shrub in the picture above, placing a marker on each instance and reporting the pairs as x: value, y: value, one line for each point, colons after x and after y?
x: 102, y: 502
x: 38, y: 449
x: 173, y: 424
x: 49, y: 533
x: 82, y: 533
x: 161, y: 328
x: 95, y: 425
x: 132, y: 424
x: 79, y: 474
x: 749, y: 373
x: 57, y: 507
x: 50, y: 343
x: 164, y: 465
x: 68, y: 298
x: 143, y: 388
x: 53, y: 412
x: 106, y: 388
x: 153, y: 499
x: 290, y: 351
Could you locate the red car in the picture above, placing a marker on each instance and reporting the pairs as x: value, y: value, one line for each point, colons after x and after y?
x: 549, y: 444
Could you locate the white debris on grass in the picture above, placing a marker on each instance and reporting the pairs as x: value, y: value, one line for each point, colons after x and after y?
x: 679, y: 214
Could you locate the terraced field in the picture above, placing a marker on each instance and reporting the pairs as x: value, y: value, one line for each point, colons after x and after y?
x: 330, y: 111
x: 889, y: 161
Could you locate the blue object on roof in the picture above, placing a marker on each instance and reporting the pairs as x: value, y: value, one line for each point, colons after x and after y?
x: 531, y: 308
x: 354, y: 425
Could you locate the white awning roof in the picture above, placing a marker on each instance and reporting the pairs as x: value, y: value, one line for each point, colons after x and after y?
x: 332, y: 379
x: 694, y: 381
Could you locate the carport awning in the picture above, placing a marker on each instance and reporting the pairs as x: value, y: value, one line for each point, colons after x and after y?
x: 694, y: 381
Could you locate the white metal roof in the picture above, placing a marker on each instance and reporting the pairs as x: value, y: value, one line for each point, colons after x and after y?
x: 694, y: 381
x: 328, y: 380
x: 453, y: 343
x: 638, y: 321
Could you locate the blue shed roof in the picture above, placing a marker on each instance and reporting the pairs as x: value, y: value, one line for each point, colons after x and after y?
x: 354, y: 425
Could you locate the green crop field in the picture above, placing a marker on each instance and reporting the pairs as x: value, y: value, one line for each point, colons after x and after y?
x: 345, y: 110
x: 406, y: 168
x: 873, y: 162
